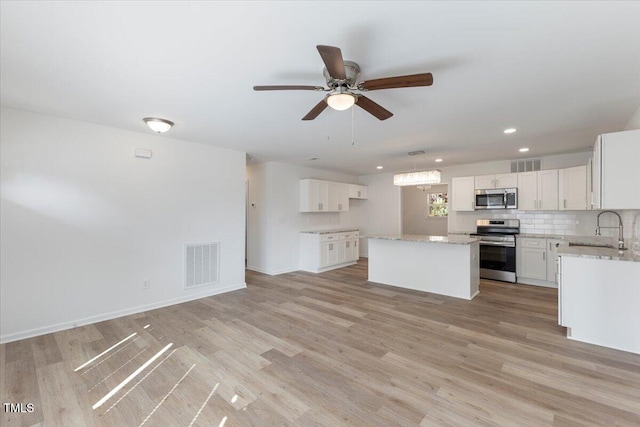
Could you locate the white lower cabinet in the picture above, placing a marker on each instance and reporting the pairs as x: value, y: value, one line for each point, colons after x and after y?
x: 327, y: 251
x: 535, y: 259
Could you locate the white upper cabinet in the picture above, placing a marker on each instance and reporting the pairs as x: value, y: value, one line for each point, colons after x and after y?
x: 573, y: 188
x: 528, y: 191
x: 616, y: 171
x: 314, y: 195
x: 338, y: 197
x: 324, y: 196
x: 462, y: 189
x: 547, y: 190
x: 538, y: 190
x: 357, y: 191
x: 505, y: 180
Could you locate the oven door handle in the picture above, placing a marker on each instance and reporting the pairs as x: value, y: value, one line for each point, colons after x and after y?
x: 505, y: 244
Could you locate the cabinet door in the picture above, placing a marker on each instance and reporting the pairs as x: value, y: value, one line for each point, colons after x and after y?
x: 484, y: 181
x: 620, y: 170
x: 357, y: 191
x: 506, y: 180
x: 573, y: 188
x: 338, y: 197
x: 330, y: 254
x: 552, y: 262
x: 528, y: 191
x: 547, y: 190
x: 534, y: 262
x: 314, y: 195
x: 463, y: 193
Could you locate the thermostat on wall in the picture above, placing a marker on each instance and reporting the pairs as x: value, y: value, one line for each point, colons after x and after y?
x: 143, y: 153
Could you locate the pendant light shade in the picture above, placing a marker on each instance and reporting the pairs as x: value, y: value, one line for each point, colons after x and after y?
x: 158, y: 125
x: 417, y: 178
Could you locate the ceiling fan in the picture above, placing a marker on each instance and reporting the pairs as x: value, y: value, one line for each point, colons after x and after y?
x: 343, y: 85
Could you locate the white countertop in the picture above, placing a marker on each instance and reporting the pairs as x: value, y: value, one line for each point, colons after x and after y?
x: 597, y: 253
x: 455, y: 239
x: 333, y: 230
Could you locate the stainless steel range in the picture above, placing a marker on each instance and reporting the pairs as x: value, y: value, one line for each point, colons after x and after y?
x: 498, y: 248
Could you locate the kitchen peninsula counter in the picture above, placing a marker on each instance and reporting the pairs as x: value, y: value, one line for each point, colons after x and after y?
x: 445, y: 265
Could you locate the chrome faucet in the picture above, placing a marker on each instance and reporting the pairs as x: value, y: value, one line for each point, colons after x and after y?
x: 620, y: 229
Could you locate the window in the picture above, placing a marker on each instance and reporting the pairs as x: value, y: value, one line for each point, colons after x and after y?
x: 438, y: 204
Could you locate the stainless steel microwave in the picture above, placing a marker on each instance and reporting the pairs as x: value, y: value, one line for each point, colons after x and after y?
x: 498, y: 198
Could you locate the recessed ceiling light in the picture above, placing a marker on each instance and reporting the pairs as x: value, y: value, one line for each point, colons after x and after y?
x: 523, y: 150
x: 438, y: 160
x: 379, y: 167
x: 510, y: 130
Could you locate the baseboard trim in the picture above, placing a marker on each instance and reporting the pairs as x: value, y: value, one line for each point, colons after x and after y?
x: 115, y: 314
x: 272, y: 273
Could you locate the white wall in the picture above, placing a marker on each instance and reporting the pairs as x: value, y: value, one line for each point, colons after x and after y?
x: 634, y: 121
x: 84, y: 222
x: 383, y: 211
x: 275, y: 220
x: 415, y: 218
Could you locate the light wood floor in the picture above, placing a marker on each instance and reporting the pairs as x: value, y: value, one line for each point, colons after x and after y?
x: 328, y: 349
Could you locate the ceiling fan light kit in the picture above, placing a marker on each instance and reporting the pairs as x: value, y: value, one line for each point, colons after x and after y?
x: 417, y: 178
x: 341, y: 99
x: 158, y: 125
x: 343, y: 85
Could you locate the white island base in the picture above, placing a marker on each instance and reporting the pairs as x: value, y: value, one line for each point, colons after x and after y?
x: 437, y: 264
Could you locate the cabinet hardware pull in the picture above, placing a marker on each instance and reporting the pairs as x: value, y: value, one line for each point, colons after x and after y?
x: 564, y: 203
x: 535, y: 204
x: 544, y: 256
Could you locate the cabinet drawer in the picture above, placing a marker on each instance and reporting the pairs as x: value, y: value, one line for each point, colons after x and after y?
x: 533, y: 243
x: 329, y: 237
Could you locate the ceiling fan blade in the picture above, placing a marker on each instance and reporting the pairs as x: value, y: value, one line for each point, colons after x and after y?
x: 373, y: 108
x: 315, y: 111
x: 290, y: 87
x: 332, y: 57
x: 412, y: 80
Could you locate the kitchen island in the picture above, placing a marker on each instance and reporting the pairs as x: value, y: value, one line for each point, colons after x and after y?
x: 445, y: 265
x: 599, y: 296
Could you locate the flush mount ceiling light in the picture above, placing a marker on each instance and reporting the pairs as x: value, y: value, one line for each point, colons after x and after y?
x: 510, y: 130
x: 523, y: 150
x: 417, y: 178
x: 158, y: 125
x: 438, y: 160
x: 341, y: 99
x: 379, y: 167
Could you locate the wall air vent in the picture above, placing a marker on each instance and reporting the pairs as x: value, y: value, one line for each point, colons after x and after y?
x: 201, y: 264
x: 525, y: 165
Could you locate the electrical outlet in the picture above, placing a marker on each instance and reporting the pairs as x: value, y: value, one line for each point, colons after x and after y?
x: 146, y: 284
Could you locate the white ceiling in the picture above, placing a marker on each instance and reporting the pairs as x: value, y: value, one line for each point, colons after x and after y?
x: 560, y: 72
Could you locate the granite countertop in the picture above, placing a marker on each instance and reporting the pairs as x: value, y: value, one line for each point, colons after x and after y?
x: 333, y: 230
x: 452, y: 238
x: 596, y: 252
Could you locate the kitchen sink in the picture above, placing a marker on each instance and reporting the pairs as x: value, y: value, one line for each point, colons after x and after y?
x: 592, y: 245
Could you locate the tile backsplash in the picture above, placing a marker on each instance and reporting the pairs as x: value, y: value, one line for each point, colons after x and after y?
x: 577, y: 223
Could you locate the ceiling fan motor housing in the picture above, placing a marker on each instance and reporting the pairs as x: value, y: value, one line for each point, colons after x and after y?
x: 352, y: 71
